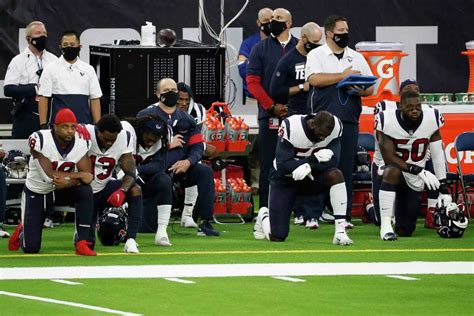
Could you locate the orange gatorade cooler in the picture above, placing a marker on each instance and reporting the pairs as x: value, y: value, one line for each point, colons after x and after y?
x: 470, y: 54
x: 384, y: 61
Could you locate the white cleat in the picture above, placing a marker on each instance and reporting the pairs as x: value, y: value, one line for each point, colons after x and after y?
x: 312, y: 223
x: 188, y: 222
x: 326, y: 217
x: 258, y: 228
x: 48, y: 223
x: 4, y: 234
x: 131, y: 246
x: 389, y: 236
x: 299, y: 220
x: 162, y: 240
x: 342, y: 239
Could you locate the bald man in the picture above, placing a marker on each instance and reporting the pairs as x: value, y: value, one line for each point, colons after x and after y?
x: 262, y: 62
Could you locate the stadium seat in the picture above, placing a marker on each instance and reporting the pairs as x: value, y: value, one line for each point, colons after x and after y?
x: 367, y: 141
x: 464, y: 142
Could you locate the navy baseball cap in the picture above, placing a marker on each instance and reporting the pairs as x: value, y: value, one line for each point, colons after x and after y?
x: 154, y: 127
x: 407, y: 82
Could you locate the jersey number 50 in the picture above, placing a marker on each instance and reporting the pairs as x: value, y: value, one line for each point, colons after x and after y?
x: 414, y: 153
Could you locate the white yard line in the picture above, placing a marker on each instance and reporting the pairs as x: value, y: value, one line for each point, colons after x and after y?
x: 66, y: 282
x: 402, y: 277
x: 180, y: 280
x: 236, y: 270
x: 53, y: 301
x: 284, y: 278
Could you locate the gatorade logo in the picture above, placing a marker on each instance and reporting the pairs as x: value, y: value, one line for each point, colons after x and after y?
x: 385, y: 68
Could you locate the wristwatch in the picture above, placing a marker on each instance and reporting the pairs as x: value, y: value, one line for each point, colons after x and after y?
x: 301, y: 86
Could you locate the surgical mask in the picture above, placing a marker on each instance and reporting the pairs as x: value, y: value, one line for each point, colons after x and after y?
x: 265, y: 28
x: 39, y: 42
x: 308, y: 46
x: 70, y: 53
x: 341, y: 40
x: 277, y: 27
x: 169, y: 98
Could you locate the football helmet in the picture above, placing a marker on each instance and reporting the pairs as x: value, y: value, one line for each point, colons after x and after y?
x: 450, y: 221
x: 15, y: 164
x: 112, y: 226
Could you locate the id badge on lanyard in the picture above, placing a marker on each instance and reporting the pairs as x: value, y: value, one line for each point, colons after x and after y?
x: 273, y: 123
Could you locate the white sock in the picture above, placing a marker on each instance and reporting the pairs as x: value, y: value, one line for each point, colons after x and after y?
x: 338, y: 196
x: 164, y: 213
x: 190, y: 198
x: 265, y: 222
x: 387, y: 201
x: 432, y: 203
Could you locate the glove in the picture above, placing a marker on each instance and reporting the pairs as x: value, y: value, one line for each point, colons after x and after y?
x: 83, y: 132
x: 432, y: 183
x: 444, y: 200
x: 302, y: 172
x: 324, y: 155
x: 117, y: 198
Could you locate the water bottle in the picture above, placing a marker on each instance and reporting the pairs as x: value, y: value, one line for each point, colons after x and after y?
x: 148, y: 35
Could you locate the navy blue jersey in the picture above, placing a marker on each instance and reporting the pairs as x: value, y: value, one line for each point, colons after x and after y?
x: 289, y: 72
x: 182, y: 124
x: 263, y: 60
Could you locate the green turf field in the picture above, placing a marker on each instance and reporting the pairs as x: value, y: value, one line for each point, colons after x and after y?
x: 313, y: 294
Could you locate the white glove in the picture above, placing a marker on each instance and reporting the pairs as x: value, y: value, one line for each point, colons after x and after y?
x: 324, y: 155
x: 302, y: 172
x: 432, y: 183
x: 444, y: 199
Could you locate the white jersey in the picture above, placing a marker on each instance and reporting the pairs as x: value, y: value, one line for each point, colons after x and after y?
x: 292, y: 130
x: 64, y: 160
x: 105, y: 162
x: 411, y: 144
x: 380, y: 107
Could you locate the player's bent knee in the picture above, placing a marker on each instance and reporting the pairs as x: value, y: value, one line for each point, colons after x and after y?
x: 278, y: 238
x: 135, y: 190
x: 32, y: 248
x: 405, y: 231
x: 84, y: 190
x: 334, y: 176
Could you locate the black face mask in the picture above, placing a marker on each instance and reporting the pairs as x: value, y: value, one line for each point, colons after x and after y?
x: 341, y: 40
x: 308, y: 46
x: 70, y: 53
x: 39, y: 42
x: 265, y: 28
x: 169, y: 98
x: 277, y: 27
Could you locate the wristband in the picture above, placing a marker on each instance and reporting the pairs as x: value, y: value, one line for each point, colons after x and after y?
x: 414, y: 169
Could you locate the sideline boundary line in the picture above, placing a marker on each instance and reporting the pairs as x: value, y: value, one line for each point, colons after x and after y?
x: 67, y: 303
x: 237, y: 270
x: 244, y: 252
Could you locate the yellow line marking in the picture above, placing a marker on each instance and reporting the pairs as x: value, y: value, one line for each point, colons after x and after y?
x: 244, y: 252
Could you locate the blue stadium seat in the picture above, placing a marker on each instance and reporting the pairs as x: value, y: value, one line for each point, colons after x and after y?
x: 463, y: 142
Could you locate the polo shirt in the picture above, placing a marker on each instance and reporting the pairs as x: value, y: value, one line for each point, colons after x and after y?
x: 338, y: 102
x: 70, y: 86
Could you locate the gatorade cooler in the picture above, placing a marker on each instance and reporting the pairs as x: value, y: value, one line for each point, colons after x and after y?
x: 384, y: 61
x: 470, y: 55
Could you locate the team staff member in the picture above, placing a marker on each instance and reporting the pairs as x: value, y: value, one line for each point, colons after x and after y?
x: 21, y: 81
x: 262, y: 62
x: 69, y: 82
x: 325, y: 67
x: 52, y: 179
x: 263, y: 21
x: 185, y: 151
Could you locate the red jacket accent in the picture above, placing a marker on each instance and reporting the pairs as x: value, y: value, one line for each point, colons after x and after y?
x: 255, y: 87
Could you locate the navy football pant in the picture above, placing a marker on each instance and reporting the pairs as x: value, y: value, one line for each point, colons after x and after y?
x: 34, y: 213
x: 134, y: 212
x: 349, y: 140
x: 267, y: 139
x: 407, y: 204
x: 3, y: 194
x: 283, y: 192
x: 200, y: 175
x: 159, y: 186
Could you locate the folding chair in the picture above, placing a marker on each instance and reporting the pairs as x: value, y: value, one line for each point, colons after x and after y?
x: 464, y: 142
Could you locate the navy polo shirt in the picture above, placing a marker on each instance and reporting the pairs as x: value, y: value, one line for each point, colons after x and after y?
x: 263, y: 60
x: 289, y: 72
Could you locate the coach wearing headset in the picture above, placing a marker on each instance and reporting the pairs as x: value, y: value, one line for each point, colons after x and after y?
x: 21, y: 80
